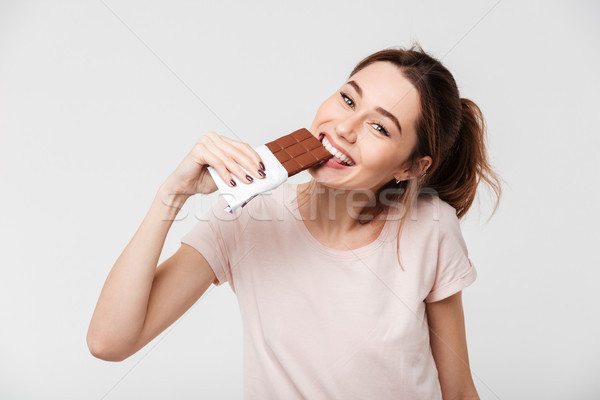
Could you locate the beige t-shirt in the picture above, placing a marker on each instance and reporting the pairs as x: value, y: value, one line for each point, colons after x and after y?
x: 322, y: 323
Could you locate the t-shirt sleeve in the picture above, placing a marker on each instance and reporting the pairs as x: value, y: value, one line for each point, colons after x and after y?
x: 214, y: 236
x: 454, y: 269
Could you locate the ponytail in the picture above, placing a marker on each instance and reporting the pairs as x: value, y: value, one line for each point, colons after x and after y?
x: 466, y: 163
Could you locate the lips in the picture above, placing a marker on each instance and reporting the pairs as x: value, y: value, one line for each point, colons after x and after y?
x: 338, y: 148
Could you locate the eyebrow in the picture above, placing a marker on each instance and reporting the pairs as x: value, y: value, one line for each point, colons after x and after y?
x: 378, y: 109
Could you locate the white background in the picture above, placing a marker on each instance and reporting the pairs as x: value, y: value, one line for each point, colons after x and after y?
x: 101, y: 100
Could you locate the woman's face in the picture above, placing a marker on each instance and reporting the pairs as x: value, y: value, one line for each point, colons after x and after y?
x: 362, y: 119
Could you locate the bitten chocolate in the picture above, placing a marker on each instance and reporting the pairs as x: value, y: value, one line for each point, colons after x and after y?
x: 298, y: 151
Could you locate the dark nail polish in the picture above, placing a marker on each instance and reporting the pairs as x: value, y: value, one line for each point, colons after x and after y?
x: 261, y: 165
x: 249, y: 178
x: 261, y: 173
x: 232, y: 182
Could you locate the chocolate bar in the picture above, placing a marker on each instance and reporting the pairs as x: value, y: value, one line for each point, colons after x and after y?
x: 298, y: 151
x: 283, y: 157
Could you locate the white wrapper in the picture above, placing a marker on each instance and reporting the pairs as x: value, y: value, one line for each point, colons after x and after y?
x: 244, y: 191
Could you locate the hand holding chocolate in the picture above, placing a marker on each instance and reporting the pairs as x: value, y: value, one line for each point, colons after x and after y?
x: 283, y: 157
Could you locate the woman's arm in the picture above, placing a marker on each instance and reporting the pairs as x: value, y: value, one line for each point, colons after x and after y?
x: 449, y: 347
x: 121, y: 310
x: 139, y: 300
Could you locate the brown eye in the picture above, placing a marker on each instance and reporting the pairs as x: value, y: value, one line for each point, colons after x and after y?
x: 382, y: 130
x: 347, y: 100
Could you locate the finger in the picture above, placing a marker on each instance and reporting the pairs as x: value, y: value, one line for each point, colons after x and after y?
x: 227, y: 165
x: 242, y: 154
x: 203, y: 156
x: 248, y: 151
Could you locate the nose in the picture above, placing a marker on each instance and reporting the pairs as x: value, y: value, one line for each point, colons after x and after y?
x: 348, y: 127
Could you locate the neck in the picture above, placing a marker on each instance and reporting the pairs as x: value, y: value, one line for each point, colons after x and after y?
x: 333, y: 211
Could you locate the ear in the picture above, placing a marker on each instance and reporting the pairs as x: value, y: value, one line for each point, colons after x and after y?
x: 421, y: 165
x: 424, y: 164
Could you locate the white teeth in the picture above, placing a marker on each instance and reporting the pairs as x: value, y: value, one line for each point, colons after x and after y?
x: 336, y: 152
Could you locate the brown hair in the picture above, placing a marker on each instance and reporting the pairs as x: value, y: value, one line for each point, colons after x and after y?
x: 450, y: 129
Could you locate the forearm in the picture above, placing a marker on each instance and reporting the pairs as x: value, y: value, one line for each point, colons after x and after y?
x: 121, y: 309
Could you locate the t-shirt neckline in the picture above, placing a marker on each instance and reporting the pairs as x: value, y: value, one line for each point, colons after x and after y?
x: 292, y: 201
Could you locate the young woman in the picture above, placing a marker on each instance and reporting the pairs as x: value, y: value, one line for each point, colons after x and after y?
x: 349, y: 285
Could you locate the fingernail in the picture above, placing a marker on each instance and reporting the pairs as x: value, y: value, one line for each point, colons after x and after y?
x: 261, y: 165
x: 249, y: 178
x: 261, y: 173
x: 232, y: 182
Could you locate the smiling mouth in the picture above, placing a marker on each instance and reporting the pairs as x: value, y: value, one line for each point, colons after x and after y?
x: 337, y: 155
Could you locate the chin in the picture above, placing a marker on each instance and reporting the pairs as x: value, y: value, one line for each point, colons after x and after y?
x: 326, y: 183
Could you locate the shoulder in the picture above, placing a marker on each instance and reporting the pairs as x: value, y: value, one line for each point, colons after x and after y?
x: 430, y: 207
x: 447, y: 213
x: 434, y: 215
x: 448, y: 226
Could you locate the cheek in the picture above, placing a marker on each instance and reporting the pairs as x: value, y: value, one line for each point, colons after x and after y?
x: 379, y: 157
x: 327, y: 108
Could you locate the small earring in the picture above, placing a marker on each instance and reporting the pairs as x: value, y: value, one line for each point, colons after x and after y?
x: 397, y: 181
